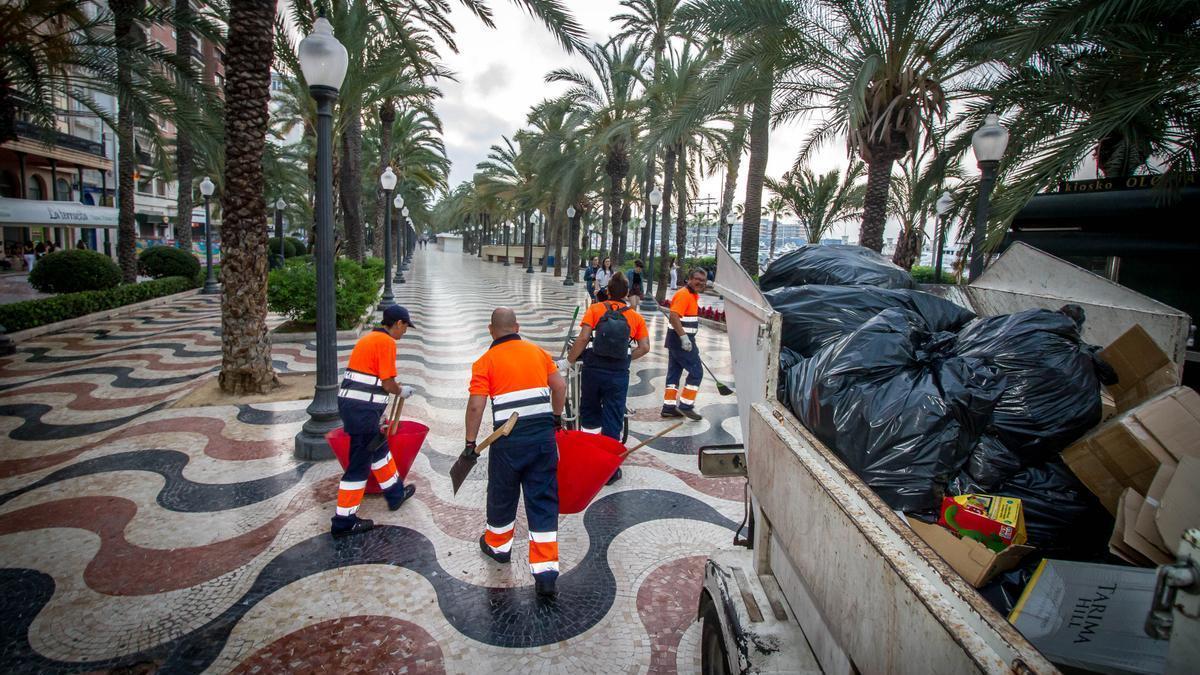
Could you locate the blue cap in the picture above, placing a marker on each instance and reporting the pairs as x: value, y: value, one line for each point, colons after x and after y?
x: 394, y: 313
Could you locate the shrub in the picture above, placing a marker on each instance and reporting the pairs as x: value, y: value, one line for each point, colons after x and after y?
x: 289, y: 247
x: 373, y: 264
x: 159, y: 262
x: 33, y: 313
x: 300, y: 246
x: 72, y: 271
x: 292, y: 291
x: 923, y: 274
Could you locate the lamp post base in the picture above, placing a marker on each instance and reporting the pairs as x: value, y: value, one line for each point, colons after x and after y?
x: 648, y: 304
x: 211, y: 287
x: 399, y: 278
x: 310, y: 442
x: 528, y: 270
x: 387, y: 300
x: 568, y: 282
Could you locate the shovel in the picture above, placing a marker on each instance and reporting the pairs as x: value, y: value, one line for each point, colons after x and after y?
x: 655, y: 437
x: 466, y: 461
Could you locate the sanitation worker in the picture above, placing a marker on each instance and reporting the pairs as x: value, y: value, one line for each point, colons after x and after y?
x: 682, y: 352
x: 369, y: 378
x: 519, y: 376
x: 611, y: 336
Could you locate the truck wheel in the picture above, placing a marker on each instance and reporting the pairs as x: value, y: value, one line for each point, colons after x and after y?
x: 714, y: 660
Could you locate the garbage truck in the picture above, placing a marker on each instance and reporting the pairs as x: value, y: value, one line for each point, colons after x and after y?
x: 828, y: 578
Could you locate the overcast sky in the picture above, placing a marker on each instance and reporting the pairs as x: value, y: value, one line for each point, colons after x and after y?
x: 501, y: 74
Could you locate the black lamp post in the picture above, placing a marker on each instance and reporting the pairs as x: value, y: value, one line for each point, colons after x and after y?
x: 387, y: 181
x: 323, y: 61
x: 410, y: 241
x: 649, y: 304
x: 943, y: 206
x: 402, y: 232
x: 399, y: 204
x: 507, y: 251
x: 988, y: 142
x: 280, y: 205
x: 528, y: 244
x: 572, y: 243
x: 211, y: 287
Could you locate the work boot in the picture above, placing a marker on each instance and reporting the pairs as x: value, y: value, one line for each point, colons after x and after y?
x: 487, y: 550
x: 345, y: 526
x: 671, y: 413
x: 615, y: 477
x: 398, y: 495
x: 691, y: 414
x: 546, y: 585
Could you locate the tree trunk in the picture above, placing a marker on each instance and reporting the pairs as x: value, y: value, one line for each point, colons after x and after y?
x: 184, y: 154
x: 351, y: 187
x: 774, y: 229
x: 606, y: 221
x: 879, y: 181
x: 547, y: 235
x: 387, y: 117
x: 245, y: 342
x: 731, y: 175
x: 558, y: 241
x: 681, y: 211
x: 756, y: 170
x: 664, y: 240
x: 648, y: 184
x: 619, y: 241
x: 128, y: 36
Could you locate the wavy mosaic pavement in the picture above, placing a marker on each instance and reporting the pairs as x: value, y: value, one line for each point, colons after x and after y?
x: 137, y: 536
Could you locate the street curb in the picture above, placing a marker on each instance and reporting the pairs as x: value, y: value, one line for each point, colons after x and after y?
x: 715, y: 325
x: 38, y: 331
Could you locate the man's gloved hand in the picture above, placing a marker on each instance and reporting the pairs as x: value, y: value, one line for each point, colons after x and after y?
x: 563, y: 365
x: 558, y: 423
x: 405, y: 391
x: 469, y: 449
x: 687, y: 342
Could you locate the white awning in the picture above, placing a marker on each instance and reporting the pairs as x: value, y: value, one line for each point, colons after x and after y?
x: 33, y: 212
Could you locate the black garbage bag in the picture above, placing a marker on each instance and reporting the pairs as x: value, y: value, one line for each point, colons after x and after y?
x: 837, y: 265
x: 788, y: 360
x: 896, y: 406
x: 1063, y: 519
x: 991, y: 463
x: 1052, y: 395
x: 816, y: 315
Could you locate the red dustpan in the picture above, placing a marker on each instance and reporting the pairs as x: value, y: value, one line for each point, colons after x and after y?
x: 405, y: 442
x: 585, y: 463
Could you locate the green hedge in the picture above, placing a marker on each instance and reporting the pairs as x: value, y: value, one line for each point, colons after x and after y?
x: 923, y: 274
x: 33, y: 313
x: 292, y: 291
x: 289, y: 247
x: 160, y: 262
x: 74, y: 271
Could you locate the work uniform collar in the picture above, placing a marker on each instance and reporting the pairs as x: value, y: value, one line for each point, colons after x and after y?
x: 381, y: 329
x: 506, y: 338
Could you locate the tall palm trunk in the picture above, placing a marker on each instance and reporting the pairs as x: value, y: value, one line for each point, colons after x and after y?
x: 387, y: 117
x: 879, y: 182
x: 681, y: 211
x: 606, y: 221
x: 648, y: 187
x: 547, y: 235
x: 733, y: 165
x: 350, y: 188
x: 127, y: 35
x: 621, y: 222
x: 664, y: 240
x: 908, y: 246
x: 774, y: 229
x: 617, y: 168
x: 184, y: 154
x: 756, y: 170
x: 559, y: 233
x: 245, y: 343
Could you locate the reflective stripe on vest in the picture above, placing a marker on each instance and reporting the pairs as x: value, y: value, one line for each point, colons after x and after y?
x: 527, y: 403
x: 690, y: 324
x: 363, y: 383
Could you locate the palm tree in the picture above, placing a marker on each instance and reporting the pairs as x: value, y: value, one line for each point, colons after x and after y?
x: 775, y: 207
x: 127, y: 35
x: 245, y: 343
x: 820, y: 202
x: 184, y: 152
x: 884, y: 72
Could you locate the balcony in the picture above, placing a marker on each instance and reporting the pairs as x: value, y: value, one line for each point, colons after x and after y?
x: 58, y: 138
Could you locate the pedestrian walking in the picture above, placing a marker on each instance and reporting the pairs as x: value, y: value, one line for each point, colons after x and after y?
x: 611, y: 336
x: 30, y: 256
x: 637, y: 288
x: 369, y: 378
x: 589, y: 277
x: 519, y: 376
x: 673, y: 285
x: 600, y: 283
x: 682, y: 351
x: 39, y: 250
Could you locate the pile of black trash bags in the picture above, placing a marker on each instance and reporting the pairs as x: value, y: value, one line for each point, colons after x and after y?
x: 921, y: 398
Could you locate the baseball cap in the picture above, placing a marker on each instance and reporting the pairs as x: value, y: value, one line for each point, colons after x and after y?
x: 394, y: 313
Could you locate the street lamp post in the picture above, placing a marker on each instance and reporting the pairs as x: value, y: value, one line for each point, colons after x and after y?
x: 210, y: 283
x: 388, y: 182
x: 989, y: 142
x: 572, y: 242
x: 402, y: 232
x: 943, y: 206
x: 649, y: 304
x: 323, y: 61
x: 280, y: 205
x: 507, y: 251
x: 399, y: 204
x: 528, y: 243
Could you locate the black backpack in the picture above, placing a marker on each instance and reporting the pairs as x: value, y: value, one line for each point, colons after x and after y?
x: 611, y: 339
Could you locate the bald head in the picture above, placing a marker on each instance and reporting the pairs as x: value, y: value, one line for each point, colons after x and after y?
x: 504, y: 322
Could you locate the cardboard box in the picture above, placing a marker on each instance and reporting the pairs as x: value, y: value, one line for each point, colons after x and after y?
x: 1143, y: 369
x: 1127, y: 450
x: 1091, y: 616
x: 1146, y: 525
x: 974, y: 561
x: 996, y: 522
x: 1179, y: 508
x: 1128, y: 542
